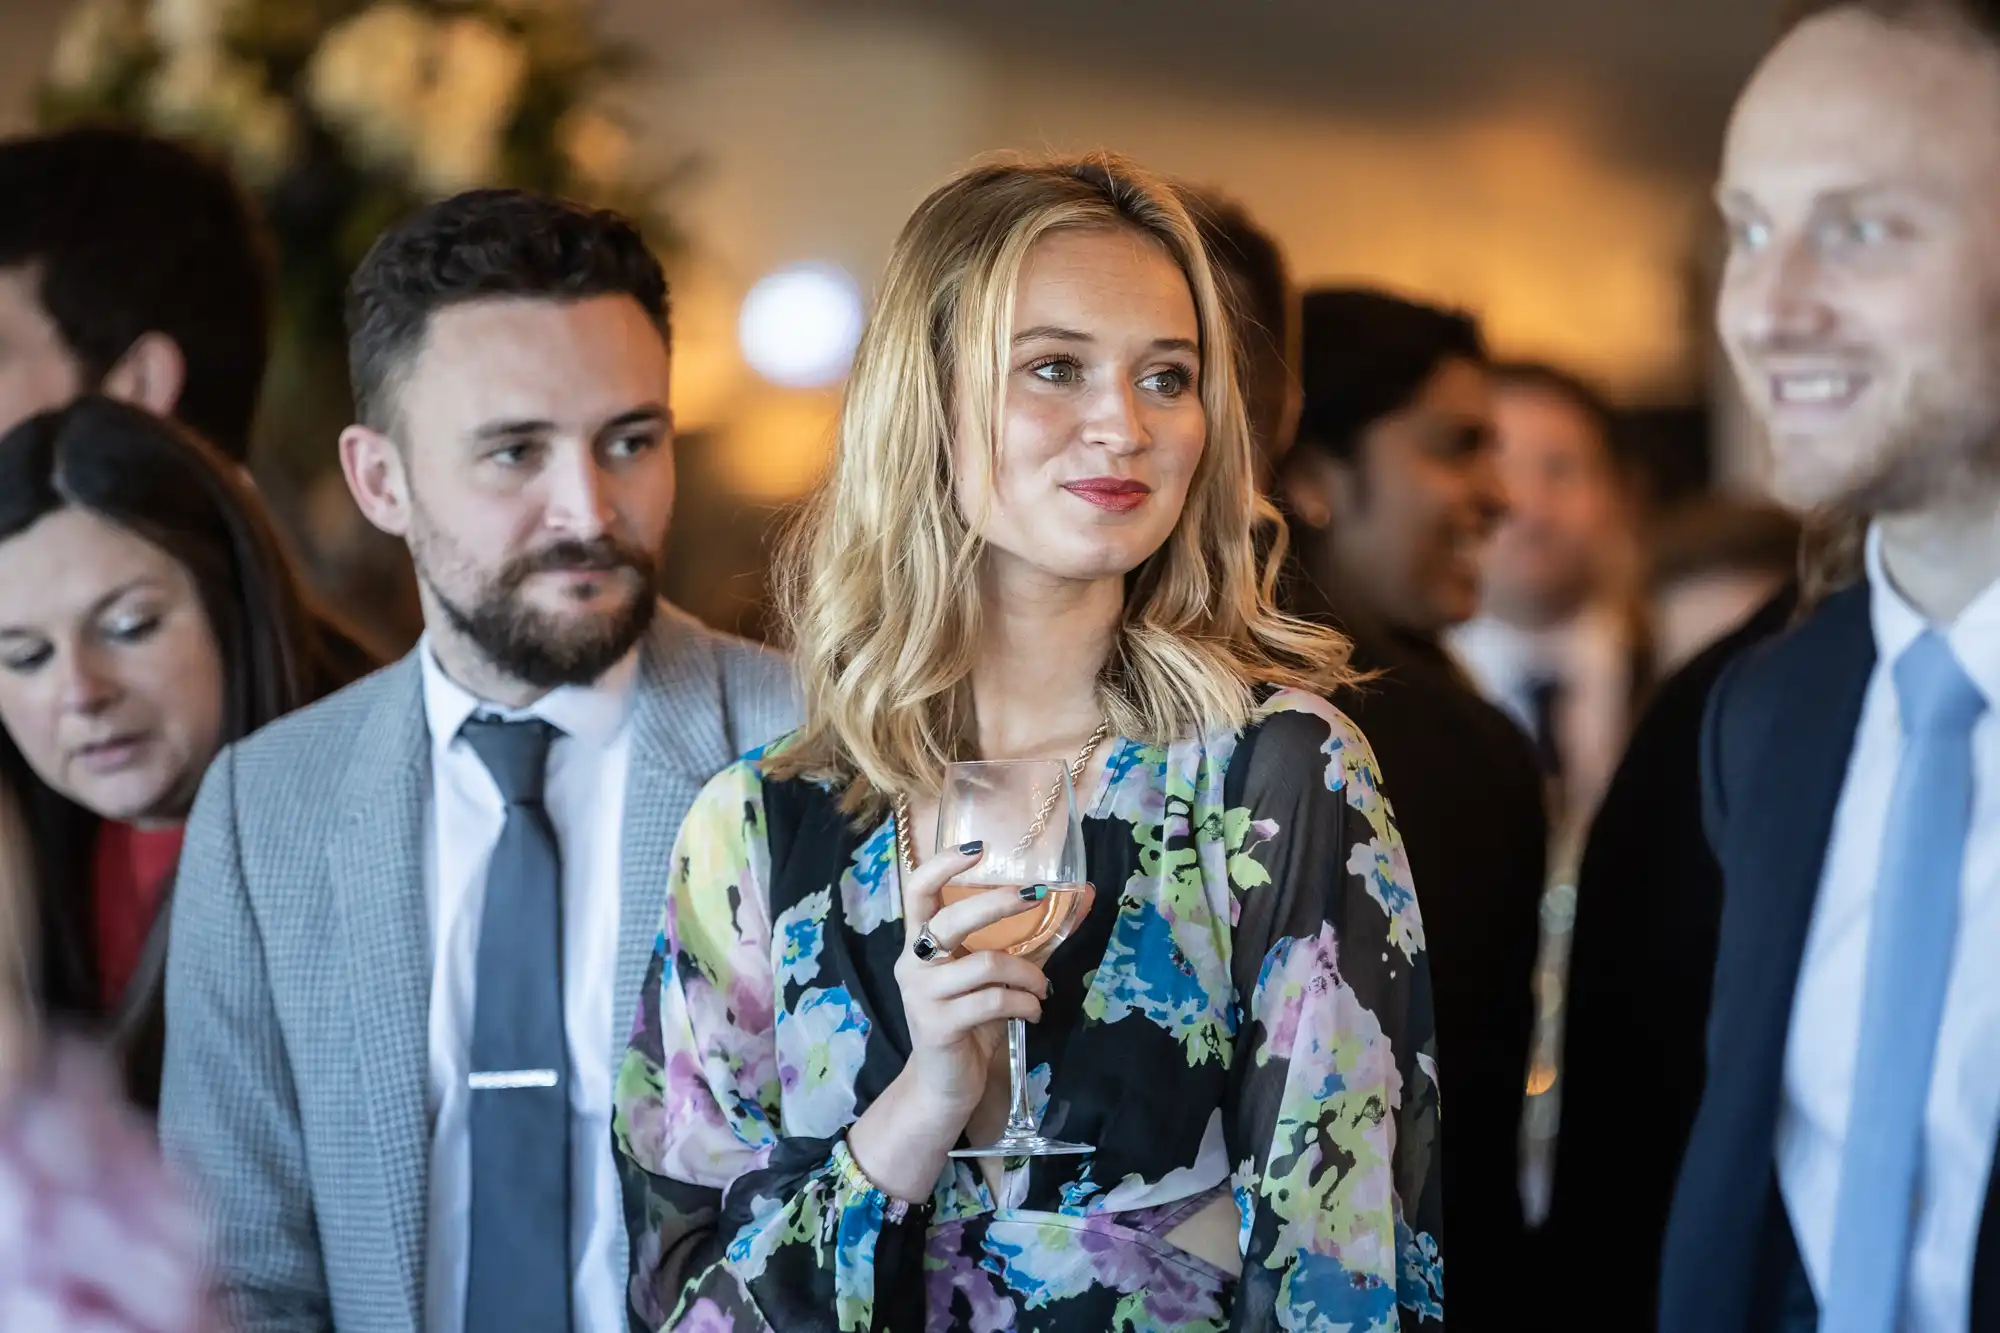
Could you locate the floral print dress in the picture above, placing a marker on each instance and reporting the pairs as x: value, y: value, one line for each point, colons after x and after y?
x: 1245, y: 1014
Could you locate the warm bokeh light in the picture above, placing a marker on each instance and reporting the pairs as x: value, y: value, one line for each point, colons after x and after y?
x: 709, y: 377
x: 775, y: 448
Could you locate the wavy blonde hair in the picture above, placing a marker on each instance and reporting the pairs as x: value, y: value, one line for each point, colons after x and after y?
x: 877, y: 576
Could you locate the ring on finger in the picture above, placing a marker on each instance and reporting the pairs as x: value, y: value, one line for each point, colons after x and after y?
x: 926, y: 947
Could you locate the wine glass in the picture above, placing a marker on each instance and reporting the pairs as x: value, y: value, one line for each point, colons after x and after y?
x: 1025, y: 812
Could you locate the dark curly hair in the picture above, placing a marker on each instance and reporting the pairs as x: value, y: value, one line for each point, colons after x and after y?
x: 128, y: 234
x: 480, y: 244
x: 1368, y: 353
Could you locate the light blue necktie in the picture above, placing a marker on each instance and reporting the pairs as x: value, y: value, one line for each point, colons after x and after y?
x: 1910, y: 938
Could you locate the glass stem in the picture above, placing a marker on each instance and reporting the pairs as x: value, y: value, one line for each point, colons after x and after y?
x: 1020, y: 1119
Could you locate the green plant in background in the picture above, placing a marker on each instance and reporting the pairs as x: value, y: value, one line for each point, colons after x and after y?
x: 341, y: 116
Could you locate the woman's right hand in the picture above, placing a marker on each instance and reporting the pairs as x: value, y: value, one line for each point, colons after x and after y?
x: 956, y: 1003
x: 956, y: 1007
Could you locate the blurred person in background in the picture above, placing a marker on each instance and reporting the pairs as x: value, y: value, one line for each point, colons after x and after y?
x: 1239, y: 1026
x: 412, y: 920
x: 1558, y: 644
x: 1265, y: 305
x: 1394, y: 492
x: 132, y: 266
x: 1714, y: 562
x: 135, y: 267
x: 148, y: 617
x: 1640, y: 969
x: 1839, y: 1174
x: 1648, y: 905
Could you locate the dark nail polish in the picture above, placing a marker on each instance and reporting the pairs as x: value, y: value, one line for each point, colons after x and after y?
x: 1048, y: 988
x: 1034, y: 893
x: 971, y: 848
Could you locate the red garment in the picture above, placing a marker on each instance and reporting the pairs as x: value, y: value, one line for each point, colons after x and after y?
x: 128, y: 875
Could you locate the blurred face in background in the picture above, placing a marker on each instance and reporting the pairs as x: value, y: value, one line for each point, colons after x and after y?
x: 533, y: 479
x: 1564, y: 507
x: 111, y: 682
x: 1409, y: 516
x: 1101, y: 419
x: 1860, y: 303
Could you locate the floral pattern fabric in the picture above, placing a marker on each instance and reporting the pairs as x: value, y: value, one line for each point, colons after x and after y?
x: 1245, y: 1014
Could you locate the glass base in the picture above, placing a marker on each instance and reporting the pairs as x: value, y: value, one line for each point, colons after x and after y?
x: 1025, y: 1145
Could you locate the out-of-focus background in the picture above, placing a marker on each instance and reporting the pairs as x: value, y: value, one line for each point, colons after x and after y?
x: 1544, y: 163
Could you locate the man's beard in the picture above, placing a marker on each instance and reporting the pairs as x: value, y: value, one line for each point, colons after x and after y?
x: 1935, y: 446
x: 546, y: 651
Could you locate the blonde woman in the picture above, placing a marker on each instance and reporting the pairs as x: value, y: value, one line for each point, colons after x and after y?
x: 1035, y: 542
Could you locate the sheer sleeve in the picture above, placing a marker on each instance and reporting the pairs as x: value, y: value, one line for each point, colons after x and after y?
x: 732, y: 1222
x: 1331, y: 1111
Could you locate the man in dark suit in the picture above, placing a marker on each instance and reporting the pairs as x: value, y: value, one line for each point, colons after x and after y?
x: 1838, y: 1175
x: 1649, y: 904
x: 1394, y: 491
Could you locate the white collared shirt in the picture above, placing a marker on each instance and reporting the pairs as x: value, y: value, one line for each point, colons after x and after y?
x: 1590, y: 656
x: 1963, y: 1112
x: 585, y: 798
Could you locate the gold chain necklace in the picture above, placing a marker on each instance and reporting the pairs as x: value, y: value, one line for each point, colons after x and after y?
x: 908, y: 852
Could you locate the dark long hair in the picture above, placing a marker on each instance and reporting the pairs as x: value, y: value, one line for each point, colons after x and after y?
x: 158, y: 481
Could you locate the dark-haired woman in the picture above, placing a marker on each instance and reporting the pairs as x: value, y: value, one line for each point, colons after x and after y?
x: 149, y: 616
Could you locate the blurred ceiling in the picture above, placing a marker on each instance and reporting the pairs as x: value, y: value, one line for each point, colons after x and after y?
x: 1653, y: 78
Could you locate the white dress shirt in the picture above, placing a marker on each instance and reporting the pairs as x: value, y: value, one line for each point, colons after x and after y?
x: 585, y: 797
x: 1590, y: 657
x: 1962, y: 1115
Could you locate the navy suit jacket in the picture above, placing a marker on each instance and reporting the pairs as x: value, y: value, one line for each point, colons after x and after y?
x: 1775, y: 747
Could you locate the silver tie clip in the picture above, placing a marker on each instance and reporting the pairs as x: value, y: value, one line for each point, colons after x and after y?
x: 501, y: 1079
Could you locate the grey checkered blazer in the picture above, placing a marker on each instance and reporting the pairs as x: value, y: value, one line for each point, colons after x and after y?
x: 298, y: 983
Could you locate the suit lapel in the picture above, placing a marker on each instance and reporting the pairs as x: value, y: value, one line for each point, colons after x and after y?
x: 1986, y: 1259
x: 679, y: 740
x: 1784, y: 820
x: 1789, y: 819
x: 376, y: 860
x: 1781, y: 730
x: 1781, y: 827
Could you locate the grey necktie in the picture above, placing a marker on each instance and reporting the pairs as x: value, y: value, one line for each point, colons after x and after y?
x: 1545, y: 697
x: 518, y: 1275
